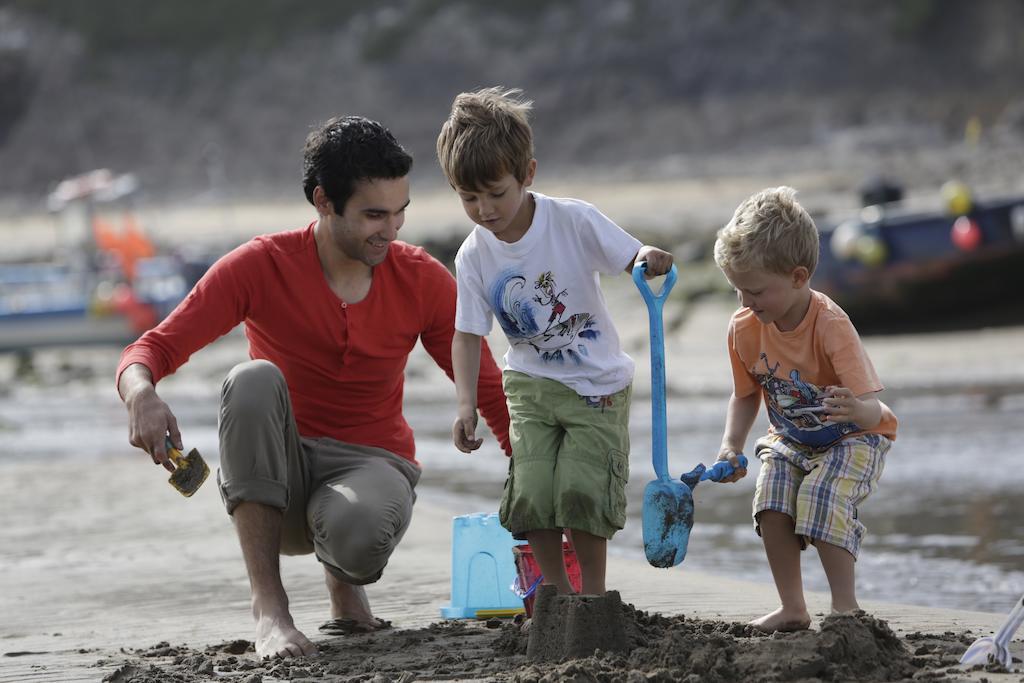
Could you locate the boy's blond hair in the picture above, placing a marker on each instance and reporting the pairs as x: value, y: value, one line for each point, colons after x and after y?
x: 769, y: 231
x: 486, y: 136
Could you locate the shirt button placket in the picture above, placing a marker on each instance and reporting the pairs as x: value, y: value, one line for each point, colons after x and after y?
x: 344, y: 331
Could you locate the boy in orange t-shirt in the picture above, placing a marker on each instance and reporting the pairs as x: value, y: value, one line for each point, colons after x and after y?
x: 825, y: 450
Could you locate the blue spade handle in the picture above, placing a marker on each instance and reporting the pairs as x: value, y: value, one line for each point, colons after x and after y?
x: 659, y: 430
x: 717, y: 472
x: 723, y: 468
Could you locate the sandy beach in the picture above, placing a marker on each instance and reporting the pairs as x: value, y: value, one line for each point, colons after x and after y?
x: 108, y: 574
x: 665, y: 115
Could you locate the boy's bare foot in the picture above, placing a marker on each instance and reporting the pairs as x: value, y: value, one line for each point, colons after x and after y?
x: 848, y: 610
x: 782, y: 620
x: 276, y: 636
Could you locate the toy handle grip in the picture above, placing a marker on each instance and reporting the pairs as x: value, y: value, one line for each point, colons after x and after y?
x: 645, y: 290
x: 722, y: 469
x: 173, y: 453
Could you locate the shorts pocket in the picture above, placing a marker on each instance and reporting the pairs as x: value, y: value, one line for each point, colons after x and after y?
x: 506, y: 497
x: 618, y: 476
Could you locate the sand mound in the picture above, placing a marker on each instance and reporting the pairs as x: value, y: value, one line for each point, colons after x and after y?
x: 855, y: 647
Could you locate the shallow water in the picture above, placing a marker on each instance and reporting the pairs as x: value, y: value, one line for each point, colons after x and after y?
x: 945, y: 528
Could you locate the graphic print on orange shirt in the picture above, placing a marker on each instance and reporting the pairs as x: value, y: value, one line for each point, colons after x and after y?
x: 795, y: 408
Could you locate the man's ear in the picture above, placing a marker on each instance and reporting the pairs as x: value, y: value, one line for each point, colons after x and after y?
x: 323, y: 205
x: 800, y: 276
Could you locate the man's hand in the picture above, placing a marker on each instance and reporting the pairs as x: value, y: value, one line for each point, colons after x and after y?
x: 730, y: 454
x: 150, y: 420
x: 842, y: 406
x: 464, y: 430
x: 658, y: 262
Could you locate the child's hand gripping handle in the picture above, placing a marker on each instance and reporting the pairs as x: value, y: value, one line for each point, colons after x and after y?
x: 722, y: 469
x: 652, y: 299
x: 659, y: 430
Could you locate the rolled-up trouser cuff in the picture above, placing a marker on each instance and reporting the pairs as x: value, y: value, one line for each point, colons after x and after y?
x: 347, y: 578
x: 263, y: 491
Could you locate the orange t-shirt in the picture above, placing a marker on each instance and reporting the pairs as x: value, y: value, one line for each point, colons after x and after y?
x: 792, y: 370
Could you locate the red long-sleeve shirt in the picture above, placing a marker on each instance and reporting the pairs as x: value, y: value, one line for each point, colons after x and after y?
x: 344, y: 363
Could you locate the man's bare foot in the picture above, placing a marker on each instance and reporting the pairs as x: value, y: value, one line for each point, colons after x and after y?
x: 782, y: 620
x: 277, y: 636
x: 349, y: 603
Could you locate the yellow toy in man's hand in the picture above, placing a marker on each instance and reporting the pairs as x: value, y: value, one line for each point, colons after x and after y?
x: 190, y: 470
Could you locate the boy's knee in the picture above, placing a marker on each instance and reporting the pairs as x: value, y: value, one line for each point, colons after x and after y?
x: 774, y: 518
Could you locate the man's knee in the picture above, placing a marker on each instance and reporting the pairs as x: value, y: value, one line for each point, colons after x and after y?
x: 253, y: 387
x: 256, y: 442
x: 358, y: 558
x: 361, y: 550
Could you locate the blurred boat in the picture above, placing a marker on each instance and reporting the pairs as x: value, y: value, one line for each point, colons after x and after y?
x: 53, y: 305
x: 893, y: 269
x: 106, y: 284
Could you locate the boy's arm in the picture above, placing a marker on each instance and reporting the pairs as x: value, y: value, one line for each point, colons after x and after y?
x: 854, y: 398
x: 659, y: 262
x: 440, y: 301
x: 738, y: 420
x: 865, y: 410
x: 466, y: 366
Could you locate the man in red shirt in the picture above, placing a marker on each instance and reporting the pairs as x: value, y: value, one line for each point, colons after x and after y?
x: 316, y: 456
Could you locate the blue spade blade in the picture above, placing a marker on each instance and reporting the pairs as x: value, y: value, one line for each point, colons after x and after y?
x: 667, y: 518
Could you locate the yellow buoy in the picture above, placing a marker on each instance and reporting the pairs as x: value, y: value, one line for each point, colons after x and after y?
x: 871, y: 250
x: 957, y: 197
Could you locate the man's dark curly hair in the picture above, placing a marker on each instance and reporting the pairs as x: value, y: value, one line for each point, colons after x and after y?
x: 346, y: 150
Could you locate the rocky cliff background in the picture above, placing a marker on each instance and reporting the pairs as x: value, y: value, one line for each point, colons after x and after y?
x: 217, y: 96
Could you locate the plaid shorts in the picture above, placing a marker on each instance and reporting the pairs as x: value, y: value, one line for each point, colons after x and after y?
x: 820, y: 490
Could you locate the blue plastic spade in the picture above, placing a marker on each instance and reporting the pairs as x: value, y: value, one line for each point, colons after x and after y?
x: 668, y: 503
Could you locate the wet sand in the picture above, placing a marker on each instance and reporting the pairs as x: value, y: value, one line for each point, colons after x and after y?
x: 107, y: 569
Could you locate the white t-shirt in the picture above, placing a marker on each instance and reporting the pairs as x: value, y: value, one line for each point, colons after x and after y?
x: 545, y: 291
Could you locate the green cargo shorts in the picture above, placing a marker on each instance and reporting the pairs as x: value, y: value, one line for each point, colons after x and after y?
x: 570, y: 458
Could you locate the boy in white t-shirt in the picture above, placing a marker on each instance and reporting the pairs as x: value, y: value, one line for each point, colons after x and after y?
x: 533, y: 262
